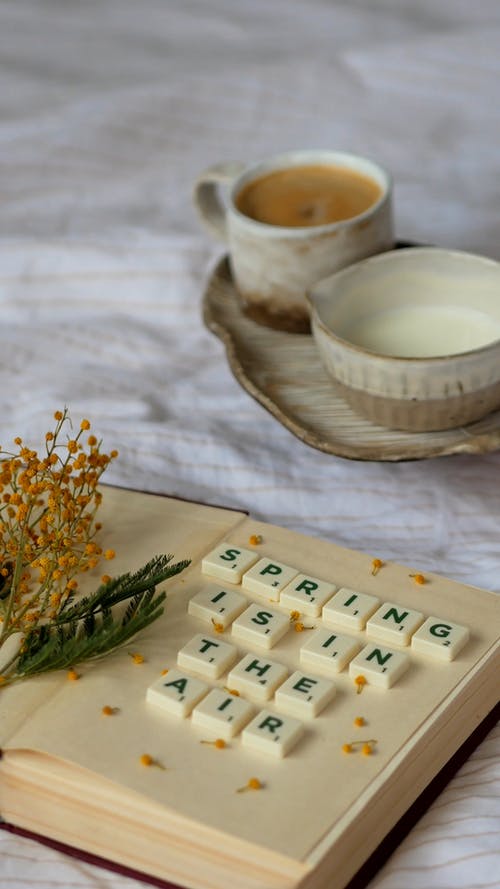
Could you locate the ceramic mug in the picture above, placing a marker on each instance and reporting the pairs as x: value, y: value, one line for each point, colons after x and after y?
x: 273, y: 266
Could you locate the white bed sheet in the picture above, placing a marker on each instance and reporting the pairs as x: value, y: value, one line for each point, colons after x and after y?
x: 108, y: 110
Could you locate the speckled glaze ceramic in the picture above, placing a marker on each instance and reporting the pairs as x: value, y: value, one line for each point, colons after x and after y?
x: 273, y: 266
x: 415, y: 394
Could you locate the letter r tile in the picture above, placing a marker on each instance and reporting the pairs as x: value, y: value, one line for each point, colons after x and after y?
x: 272, y: 734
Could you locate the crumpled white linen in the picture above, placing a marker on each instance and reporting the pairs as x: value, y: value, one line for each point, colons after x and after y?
x: 108, y: 111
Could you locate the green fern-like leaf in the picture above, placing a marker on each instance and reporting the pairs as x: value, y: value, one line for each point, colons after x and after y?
x: 89, y: 628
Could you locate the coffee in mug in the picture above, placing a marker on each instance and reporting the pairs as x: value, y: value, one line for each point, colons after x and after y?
x: 308, y: 195
x: 292, y: 220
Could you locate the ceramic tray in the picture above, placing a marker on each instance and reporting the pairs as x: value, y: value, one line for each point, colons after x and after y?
x: 284, y: 373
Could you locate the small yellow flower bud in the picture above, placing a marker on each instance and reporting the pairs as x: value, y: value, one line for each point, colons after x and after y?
x: 252, y: 784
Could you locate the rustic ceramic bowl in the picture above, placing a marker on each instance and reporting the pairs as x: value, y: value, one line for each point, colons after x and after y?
x: 412, y: 337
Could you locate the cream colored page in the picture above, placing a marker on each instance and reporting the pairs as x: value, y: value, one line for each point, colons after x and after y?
x: 311, y: 789
x: 138, y: 526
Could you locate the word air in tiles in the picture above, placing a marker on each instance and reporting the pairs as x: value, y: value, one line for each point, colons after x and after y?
x: 350, y: 632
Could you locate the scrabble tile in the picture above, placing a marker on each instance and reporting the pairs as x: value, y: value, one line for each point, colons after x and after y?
x: 328, y: 652
x: 222, y: 713
x: 349, y: 609
x: 267, y: 578
x: 380, y: 666
x: 215, y: 604
x: 176, y: 693
x: 307, y: 595
x: 304, y: 695
x: 257, y: 676
x: 228, y: 562
x: 260, y: 625
x: 440, y: 639
x: 207, y: 655
x: 272, y: 734
x: 393, y: 624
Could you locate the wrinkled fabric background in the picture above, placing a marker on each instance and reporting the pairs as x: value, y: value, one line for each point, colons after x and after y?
x: 108, y: 111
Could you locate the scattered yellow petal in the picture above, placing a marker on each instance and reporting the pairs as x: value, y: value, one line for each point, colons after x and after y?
x: 377, y: 564
x: 137, y: 657
x: 164, y: 672
x: 255, y: 539
x: 419, y: 578
x: 365, y: 746
x: 359, y: 721
x: 294, y: 615
x: 232, y: 691
x: 147, y: 760
x: 360, y: 682
x: 73, y: 675
x: 109, y: 711
x: 300, y: 627
x: 219, y: 743
x: 218, y: 627
x: 252, y: 784
x: 105, y: 578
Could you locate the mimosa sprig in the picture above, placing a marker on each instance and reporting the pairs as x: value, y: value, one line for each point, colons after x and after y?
x: 48, y: 537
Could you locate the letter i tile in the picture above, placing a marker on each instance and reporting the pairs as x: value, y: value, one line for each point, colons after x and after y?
x: 222, y: 713
x: 213, y: 603
x: 349, y: 609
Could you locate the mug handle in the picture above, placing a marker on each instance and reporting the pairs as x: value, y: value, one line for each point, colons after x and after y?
x: 207, y: 199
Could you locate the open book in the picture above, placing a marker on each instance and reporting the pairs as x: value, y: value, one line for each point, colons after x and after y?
x: 72, y: 775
